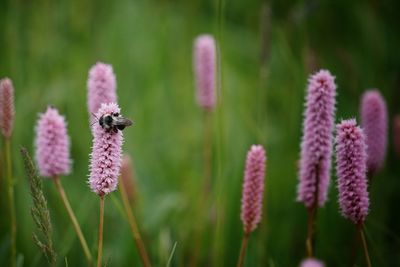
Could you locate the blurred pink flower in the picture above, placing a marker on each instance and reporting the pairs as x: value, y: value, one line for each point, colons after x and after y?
x: 375, y: 124
x: 205, y: 70
x: 105, y: 159
x: 317, y: 141
x: 253, y: 188
x: 311, y: 262
x: 127, y: 177
x: 7, y: 111
x: 351, y: 170
x: 101, y: 86
x: 52, y: 144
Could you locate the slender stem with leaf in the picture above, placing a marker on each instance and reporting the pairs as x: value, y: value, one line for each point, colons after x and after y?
x: 11, y: 203
x: 134, y: 228
x: 101, y: 223
x: 74, y: 221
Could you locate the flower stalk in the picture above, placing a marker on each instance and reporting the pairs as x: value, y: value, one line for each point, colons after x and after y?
x: 7, y: 113
x: 100, y: 239
x: 364, y: 244
x: 105, y: 163
x: 252, y: 195
x: 134, y: 228
x: 316, y: 148
x: 351, y: 169
x: 207, y: 151
x: 53, y: 158
x: 74, y: 221
x: 10, y: 194
x: 310, y: 240
x: 243, y: 249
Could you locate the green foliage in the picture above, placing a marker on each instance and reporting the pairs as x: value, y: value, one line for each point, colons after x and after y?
x: 39, y: 211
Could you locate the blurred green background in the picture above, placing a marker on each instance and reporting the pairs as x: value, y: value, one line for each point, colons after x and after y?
x: 266, y: 50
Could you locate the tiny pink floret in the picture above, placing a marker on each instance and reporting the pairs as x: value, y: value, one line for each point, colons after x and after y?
x: 105, y: 159
x: 52, y: 144
x: 253, y: 188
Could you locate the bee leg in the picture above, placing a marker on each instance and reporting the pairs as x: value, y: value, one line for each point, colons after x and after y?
x: 115, y: 130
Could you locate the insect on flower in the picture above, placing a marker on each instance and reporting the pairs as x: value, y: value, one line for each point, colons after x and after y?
x: 114, y: 121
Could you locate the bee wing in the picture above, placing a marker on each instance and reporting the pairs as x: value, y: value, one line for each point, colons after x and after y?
x: 93, y: 119
x: 122, y: 121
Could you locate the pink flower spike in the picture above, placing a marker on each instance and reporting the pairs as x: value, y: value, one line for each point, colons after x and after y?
x: 311, y: 262
x: 52, y: 144
x: 101, y: 86
x: 375, y: 124
x: 7, y: 111
x: 253, y: 188
x: 205, y: 70
x: 317, y: 140
x: 351, y: 169
x: 396, y: 134
x: 105, y: 159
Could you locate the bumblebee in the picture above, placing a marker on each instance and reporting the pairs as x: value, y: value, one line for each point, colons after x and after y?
x: 114, y: 122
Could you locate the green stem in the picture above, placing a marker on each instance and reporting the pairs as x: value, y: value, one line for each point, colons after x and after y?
x: 134, y: 228
x: 203, y: 203
x: 207, y: 148
x: 364, y: 243
x: 101, y: 223
x: 310, y: 232
x: 11, y: 203
x: 243, y: 249
x: 218, y: 241
x: 75, y: 223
